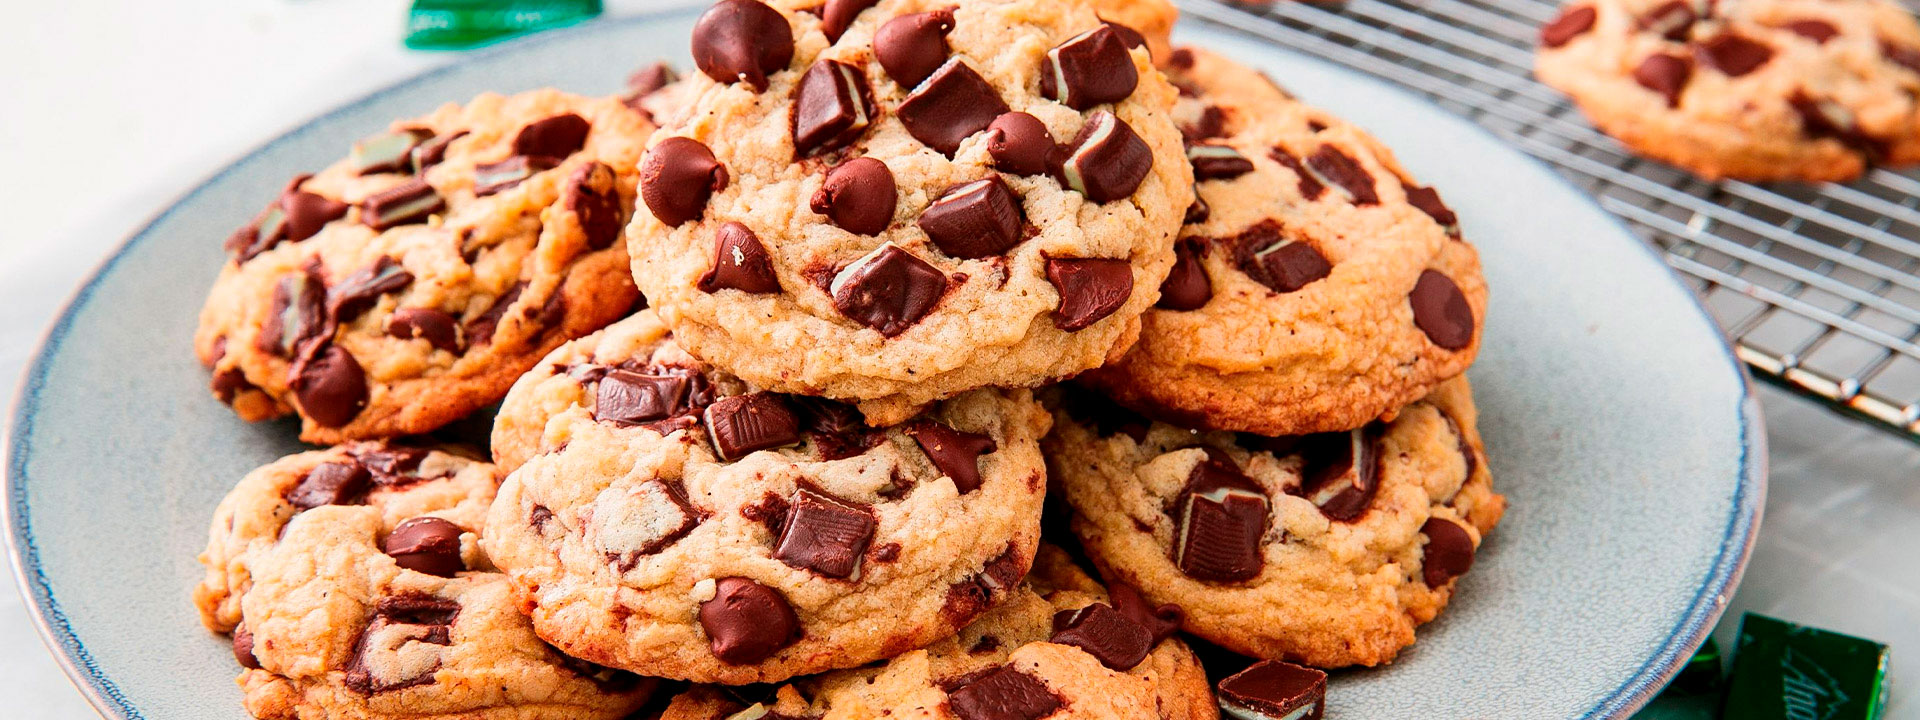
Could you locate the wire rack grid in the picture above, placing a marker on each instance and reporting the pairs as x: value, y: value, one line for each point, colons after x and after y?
x: 1817, y: 285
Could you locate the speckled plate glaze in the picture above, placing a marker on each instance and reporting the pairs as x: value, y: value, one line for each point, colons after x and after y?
x: 1616, y: 420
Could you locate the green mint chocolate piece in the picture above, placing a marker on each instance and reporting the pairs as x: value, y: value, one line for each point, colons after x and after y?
x: 461, y: 24
x: 1782, y: 670
x: 387, y: 152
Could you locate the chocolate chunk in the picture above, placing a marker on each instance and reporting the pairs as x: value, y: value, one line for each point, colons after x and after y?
x: 743, y: 424
x: 298, y: 314
x: 1310, y: 187
x: 294, y: 216
x: 1105, y: 633
x: 740, y: 262
x: 858, y: 195
x: 1107, y: 160
x: 831, y: 107
x: 742, y: 41
x: 1339, y: 169
x: 1340, y: 471
x: 364, y: 287
x: 390, y: 151
x: 970, y: 597
x: 950, y: 106
x: 1212, y: 123
x: 426, y: 544
x: 1274, y: 689
x: 391, y: 652
x: 979, y: 219
x: 1428, y: 201
x: 409, y: 202
x: 433, y: 151
x: 1223, y: 516
x: 1090, y: 289
x: 555, y: 137
x: 678, y: 175
x: 392, y: 465
x: 416, y: 609
x: 230, y: 382
x: 1448, y: 554
x: 1285, y: 265
x: 1020, y: 144
x: 1570, y: 24
x: 1217, y: 162
x: 1819, y: 31
x: 837, y: 15
x: 643, y: 522
x: 824, y: 534
x: 1733, y: 54
x: 747, y: 622
x: 650, y: 79
x: 1160, y: 621
x: 1002, y: 693
x: 630, y: 398
x: 1089, y: 69
x: 837, y: 429
x: 1822, y: 118
x: 1441, y: 311
x: 496, y: 177
x: 331, y: 483
x: 955, y: 453
x: 1187, y: 286
x: 594, y: 200
x: 1664, y: 74
x: 480, y: 329
x: 911, y: 47
x: 1128, y: 36
x: 1197, y: 212
x: 243, y: 648
x: 329, y: 385
x: 1903, y: 55
x: 1670, y: 20
x: 888, y: 290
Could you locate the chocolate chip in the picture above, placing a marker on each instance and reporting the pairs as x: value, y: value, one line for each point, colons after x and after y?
x: 1905, y: 56
x: 743, y: 424
x: 1160, y: 621
x: 630, y: 398
x: 1819, y: 31
x: 1128, y: 36
x: 1020, y: 144
x: 480, y: 329
x: 1089, y: 69
x: 1670, y: 20
x: 294, y: 216
x: 1441, y: 311
x: 594, y: 200
x: 824, y: 534
x: 1217, y: 162
x: 1571, y: 24
x: 888, y: 290
x: 747, y: 622
x: 409, y: 202
x: 1448, y: 554
x: 950, y: 106
x: 1310, y: 187
x: 1275, y: 689
x: 1223, y: 515
x: 329, y: 384
x: 1180, y: 59
x: 1090, y: 289
x: 401, y: 624
x: 426, y: 544
x: 1002, y: 693
x: 1187, y: 286
x: 298, y: 314
x: 858, y: 195
x: 1733, y: 54
x: 742, y: 41
x: 555, y: 137
x: 955, y: 453
x: 1822, y: 118
x: 364, y: 287
x: 1664, y: 74
x: 678, y: 175
x: 740, y: 262
x: 1339, y: 169
x: 1197, y: 212
x: 1428, y: 201
x: 230, y: 382
x: 243, y: 648
x: 390, y: 151
x: 911, y: 47
x: 1340, y: 471
x: 433, y: 151
x: 331, y: 483
x: 1105, y: 633
x: 978, y: 219
x: 837, y: 15
x: 976, y: 594
x: 504, y: 175
x: 1107, y: 159
x: 1283, y: 264
x: 649, y: 80
x: 831, y: 107
x: 1212, y: 123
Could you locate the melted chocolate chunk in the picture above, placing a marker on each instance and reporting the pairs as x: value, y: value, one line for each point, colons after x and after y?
x: 824, y: 534
x: 359, y: 292
x: 1310, y: 187
x: 329, y: 384
x: 1283, y: 264
x: 630, y: 398
x: 1187, y: 287
x: 1107, y: 160
x: 1448, y: 554
x: 409, y: 202
x: 298, y: 314
x: 888, y: 290
x: 1223, y: 516
x: 331, y: 483
x: 747, y: 622
x: 1339, y: 169
x: 1109, y: 635
x: 386, y: 152
x: 1428, y: 201
x: 480, y: 330
x: 433, y: 152
x: 978, y: 219
x: 743, y: 424
x: 954, y: 452
x: 949, y: 107
x: 1217, y: 162
x: 1664, y: 74
x: 1570, y: 24
x: 1671, y: 20
x: 1441, y: 311
x: 1092, y: 68
x: 399, y: 621
x: 1090, y: 289
x: 594, y: 200
x: 426, y: 544
x: 1340, y: 471
x: 243, y: 648
x: 1161, y: 621
x: 1733, y: 54
x: 504, y: 175
x: 832, y: 106
x: 1002, y: 693
x: 1819, y: 31
x: 294, y: 216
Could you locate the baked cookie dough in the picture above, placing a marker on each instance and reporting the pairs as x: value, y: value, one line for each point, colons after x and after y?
x: 409, y: 284
x: 891, y: 203
x: 353, y: 586
x: 669, y: 518
x: 1746, y: 89
x: 1324, y: 549
x: 1060, y: 649
x: 1317, y: 286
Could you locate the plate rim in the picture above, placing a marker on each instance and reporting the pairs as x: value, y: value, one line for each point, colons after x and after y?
x: 104, y: 695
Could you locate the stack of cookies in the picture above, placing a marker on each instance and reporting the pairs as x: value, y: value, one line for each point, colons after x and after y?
x: 791, y: 383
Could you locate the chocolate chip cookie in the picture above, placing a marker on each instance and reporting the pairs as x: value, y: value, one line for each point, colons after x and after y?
x: 894, y: 202
x: 669, y: 518
x: 1326, y: 549
x: 353, y: 586
x: 409, y: 284
x: 1317, y: 285
x: 1060, y: 648
x: 1746, y: 89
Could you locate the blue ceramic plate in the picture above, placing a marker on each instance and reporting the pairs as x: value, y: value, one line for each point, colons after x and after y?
x: 1616, y: 421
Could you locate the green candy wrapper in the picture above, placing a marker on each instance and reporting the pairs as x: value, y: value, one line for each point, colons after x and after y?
x: 461, y: 24
x: 1783, y: 671
x: 1694, y: 694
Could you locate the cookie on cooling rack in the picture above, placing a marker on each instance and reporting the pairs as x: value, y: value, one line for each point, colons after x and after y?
x: 1745, y: 89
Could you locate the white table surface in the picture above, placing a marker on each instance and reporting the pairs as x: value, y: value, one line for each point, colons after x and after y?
x: 109, y: 110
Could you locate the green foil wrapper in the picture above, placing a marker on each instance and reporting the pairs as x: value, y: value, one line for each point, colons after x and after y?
x: 1783, y: 671
x: 1695, y: 693
x: 461, y: 24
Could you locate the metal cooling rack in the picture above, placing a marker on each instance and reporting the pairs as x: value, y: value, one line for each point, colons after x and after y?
x: 1818, y: 286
